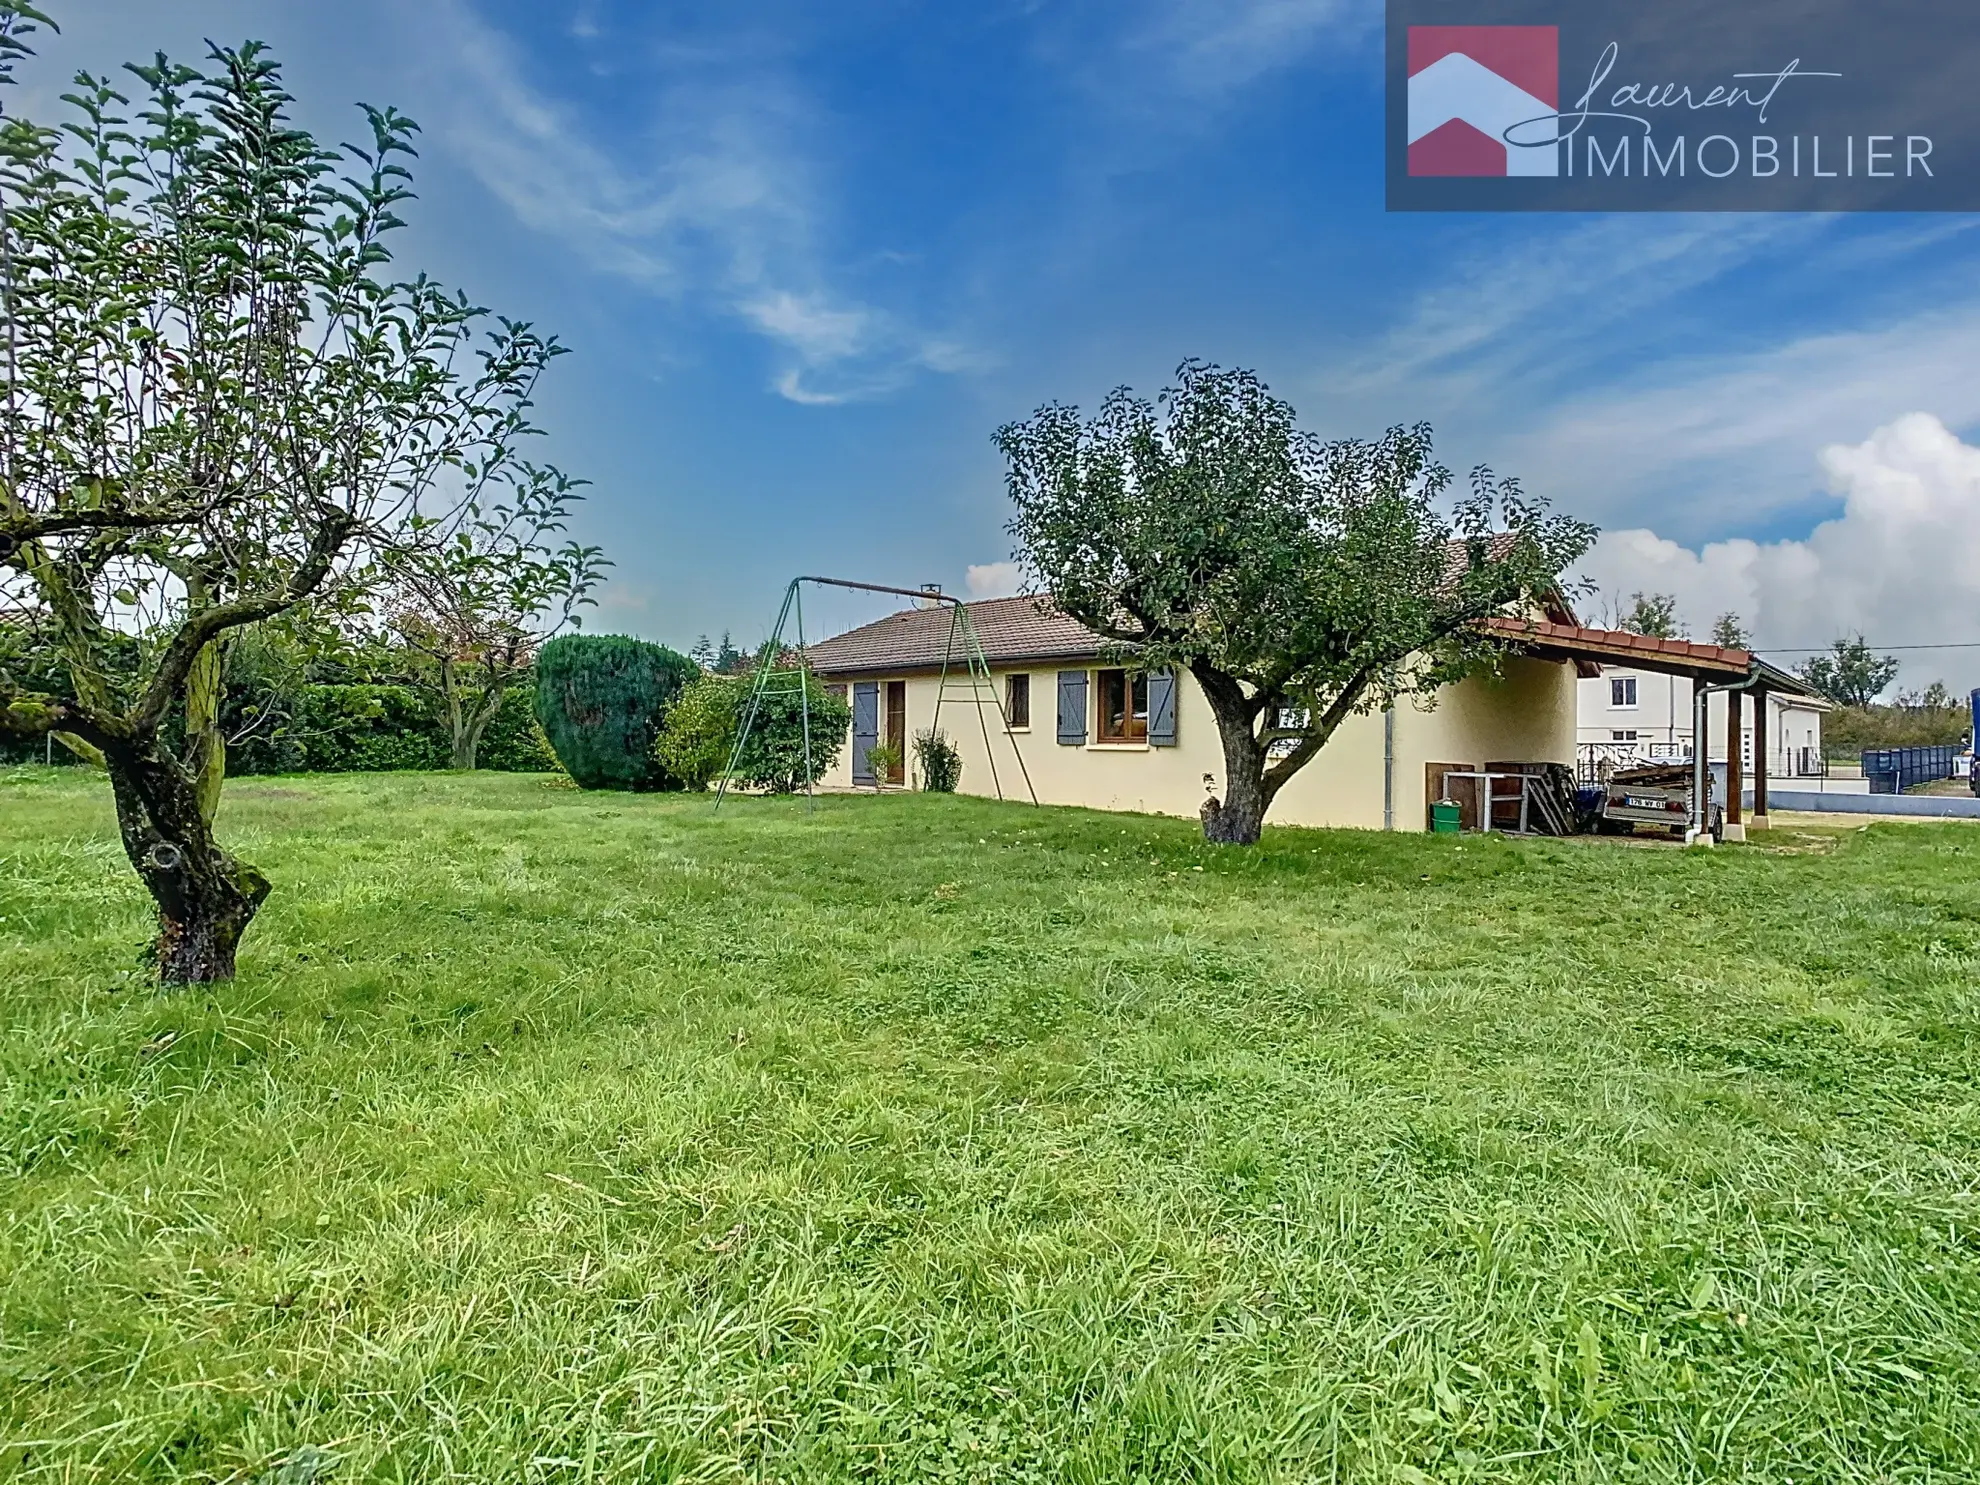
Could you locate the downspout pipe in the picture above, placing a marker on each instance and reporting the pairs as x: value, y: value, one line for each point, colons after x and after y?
x: 1389, y: 769
x: 1699, y: 831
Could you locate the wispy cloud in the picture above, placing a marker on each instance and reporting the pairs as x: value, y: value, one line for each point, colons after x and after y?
x: 1215, y: 46
x: 1545, y: 300
x: 1708, y: 442
x: 1600, y: 363
x: 714, y: 202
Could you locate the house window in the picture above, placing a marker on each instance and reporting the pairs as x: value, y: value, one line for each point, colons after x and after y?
x: 1622, y: 737
x: 1622, y: 690
x: 1017, y: 700
x: 1289, y: 717
x: 1123, y: 706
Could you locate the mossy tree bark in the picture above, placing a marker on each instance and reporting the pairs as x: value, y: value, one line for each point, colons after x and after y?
x: 205, y: 897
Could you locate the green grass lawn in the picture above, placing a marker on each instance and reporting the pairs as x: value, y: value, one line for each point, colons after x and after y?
x: 563, y: 1137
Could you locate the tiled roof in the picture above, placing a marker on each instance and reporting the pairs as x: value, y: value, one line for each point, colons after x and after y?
x: 1622, y: 646
x: 1009, y: 629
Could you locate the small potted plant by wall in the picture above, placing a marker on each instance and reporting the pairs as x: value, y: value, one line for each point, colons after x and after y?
x: 884, y: 759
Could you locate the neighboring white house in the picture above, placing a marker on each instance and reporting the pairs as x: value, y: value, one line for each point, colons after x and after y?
x: 1649, y: 712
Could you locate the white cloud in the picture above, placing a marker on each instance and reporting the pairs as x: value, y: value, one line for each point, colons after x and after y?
x: 994, y: 579
x: 1900, y: 564
x: 818, y: 329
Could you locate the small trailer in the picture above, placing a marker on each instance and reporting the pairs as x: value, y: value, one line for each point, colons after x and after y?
x: 1658, y: 795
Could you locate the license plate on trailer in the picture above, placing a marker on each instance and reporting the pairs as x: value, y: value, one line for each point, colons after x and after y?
x: 1638, y: 802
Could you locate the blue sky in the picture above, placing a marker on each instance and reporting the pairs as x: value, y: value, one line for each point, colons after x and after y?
x: 809, y: 256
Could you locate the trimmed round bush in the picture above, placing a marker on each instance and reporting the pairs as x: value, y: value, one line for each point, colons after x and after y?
x: 602, y: 700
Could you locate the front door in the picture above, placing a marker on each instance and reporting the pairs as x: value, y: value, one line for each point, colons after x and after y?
x: 866, y: 727
x: 897, y: 730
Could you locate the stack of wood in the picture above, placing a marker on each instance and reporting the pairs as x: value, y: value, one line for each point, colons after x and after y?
x: 1551, y: 806
x: 1655, y: 775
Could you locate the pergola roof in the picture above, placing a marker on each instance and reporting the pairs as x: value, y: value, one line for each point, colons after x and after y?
x: 1712, y: 665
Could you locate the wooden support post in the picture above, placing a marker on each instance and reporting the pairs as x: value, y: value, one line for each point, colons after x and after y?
x: 1760, y: 749
x: 1735, y: 766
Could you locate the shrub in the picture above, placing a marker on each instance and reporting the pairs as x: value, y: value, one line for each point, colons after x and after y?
x: 602, y: 699
x: 882, y: 759
x: 700, y: 731
x: 514, y: 741
x: 773, y: 758
x: 367, y: 729
x: 941, y: 764
x: 364, y: 729
x: 1850, y: 730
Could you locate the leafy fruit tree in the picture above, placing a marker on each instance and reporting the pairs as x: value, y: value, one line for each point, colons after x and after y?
x: 475, y: 601
x: 700, y: 731
x: 1301, y: 582
x: 217, y: 404
x: 698, y: 739
x: 1729, y: 632
x: 1654, y: 614
x: 1851, y: 674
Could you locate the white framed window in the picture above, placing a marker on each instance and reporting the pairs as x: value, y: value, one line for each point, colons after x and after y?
x: 1289, y: 716
x: 1622, y: 737
x: 1017, y: 701
x: 1622, y: 691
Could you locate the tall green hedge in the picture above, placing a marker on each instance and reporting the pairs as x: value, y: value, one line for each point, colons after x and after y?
x: 602, y: 699
x: 368, y: 728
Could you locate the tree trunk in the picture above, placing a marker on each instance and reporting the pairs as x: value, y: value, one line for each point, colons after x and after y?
x: 470, y: 724
x: 1238, y: 817
x: 205, y: 898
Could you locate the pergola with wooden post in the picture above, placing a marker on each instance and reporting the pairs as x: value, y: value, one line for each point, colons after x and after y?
x: 1710, y: 668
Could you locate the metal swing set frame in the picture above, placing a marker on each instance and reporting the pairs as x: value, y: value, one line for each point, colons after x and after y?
x: 775, y: 678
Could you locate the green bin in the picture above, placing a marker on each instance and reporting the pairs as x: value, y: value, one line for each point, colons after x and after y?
x: 1444, y: 817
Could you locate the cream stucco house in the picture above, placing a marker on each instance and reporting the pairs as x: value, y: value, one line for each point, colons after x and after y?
x: 1092, y: 732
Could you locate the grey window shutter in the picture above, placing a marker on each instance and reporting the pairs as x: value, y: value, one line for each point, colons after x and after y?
x: 1161, y: 708
x: 1072, y: 706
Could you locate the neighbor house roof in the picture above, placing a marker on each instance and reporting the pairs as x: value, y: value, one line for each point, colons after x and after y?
x: 1009, y: 629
